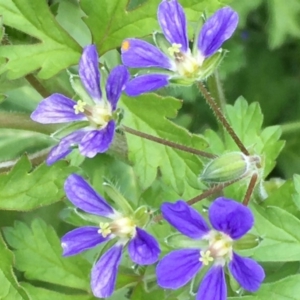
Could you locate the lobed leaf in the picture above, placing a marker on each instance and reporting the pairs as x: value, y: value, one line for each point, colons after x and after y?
x: 24, y: 189
x: 9, y: 288
x: 149, y: 113
x: 39, y: 255
x: 56, y: 50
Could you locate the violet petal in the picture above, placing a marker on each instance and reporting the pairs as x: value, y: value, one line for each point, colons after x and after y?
x: 64, y: 146
x: 140, y: 54
x: 89, y: 72
x: 247, y: 272
x: 178, y: 268
x: 146, y: 83
x: 143, y: 249
x: 115, y: 84
x: 216, y: 30
x: 56, y: 109
x: 104, y: 272
x: 230, y: 217
x: 185, y: 219
x: 81, y: 239
x: 83, y: 196
x: 213, y: 285
x: 172, y: 21
x: 97, y: 141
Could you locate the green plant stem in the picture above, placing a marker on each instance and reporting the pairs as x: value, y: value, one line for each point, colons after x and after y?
x: 37, y: 85
x: 167, y: 143
x: 221, y: 118
x: 250, y: 189
x: 216, y: 90
x: 202, y: 196
x: 35, y: 158
x: 21, y: 121
x: 290, y: 128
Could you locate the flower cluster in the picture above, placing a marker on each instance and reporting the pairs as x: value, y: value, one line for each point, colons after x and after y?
x: 230, y: 221
x: 143, y: 249
x: 98, y: 132
x: 173, y: 56
x: 95, y: 116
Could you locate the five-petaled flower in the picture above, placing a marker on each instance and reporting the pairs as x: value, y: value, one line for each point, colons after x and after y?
x: 177, y: 61
x: 143, y: 249
x: 230, y: 221
x: 98, y: 132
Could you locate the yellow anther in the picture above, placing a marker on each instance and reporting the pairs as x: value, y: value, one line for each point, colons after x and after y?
x: 125, y: 45
x: 175, y: 48
x: 206, y: 258
x: 79, y: 107
x: 104, y: 229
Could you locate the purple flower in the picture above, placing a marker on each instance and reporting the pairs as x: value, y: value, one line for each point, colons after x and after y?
x: 178, y: 63
x: 230, y: 221
x: 143, y: 249
x: 95, y: 110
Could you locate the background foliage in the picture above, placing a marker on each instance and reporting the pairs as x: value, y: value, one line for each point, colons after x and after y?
x: 41, y: 39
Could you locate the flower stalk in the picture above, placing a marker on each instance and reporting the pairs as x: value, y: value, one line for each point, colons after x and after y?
x: 221, y: 118
x: 167, y: 143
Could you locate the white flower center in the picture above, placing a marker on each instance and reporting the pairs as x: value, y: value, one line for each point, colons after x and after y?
x: 219, y: 248
x: 186, y: 64
x: 123, y: 228
x: 98, y: 115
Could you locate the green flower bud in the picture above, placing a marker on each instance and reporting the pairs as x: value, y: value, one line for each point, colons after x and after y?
x: 142, y: 216
x: 177, y: 241
x: 248, y: 241
x: 228, y: 167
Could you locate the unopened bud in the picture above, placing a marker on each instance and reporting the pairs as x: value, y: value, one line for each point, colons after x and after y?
x: 248, y: 241
x: 228, y: 167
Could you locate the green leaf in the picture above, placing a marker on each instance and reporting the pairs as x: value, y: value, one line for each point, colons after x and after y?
x: 149, y: 113
x: 43, y: 294
x: 39, y: 255
x: 111, y: 21
x: 285, y: 289
x: 23, y: 189
x: 55, y: 51
x: 247, y: 121
x: 9, y: 288
x: 285, y: 198
x: 278, y: 229
x: 284, y: 21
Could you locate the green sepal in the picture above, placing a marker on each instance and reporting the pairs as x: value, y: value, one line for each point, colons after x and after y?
x: 161, y: 42
x: 235, y: 286
x: 196, y: 36
x: 194, y: 287
x: 118, y: 198
x: 142, y: 216
x: 79, y: 89
x: 248, y: 241
x: 73, y: 216
x: 178, y: 241
x: 210, y: 64
x: 185, y: 81
x: 225, y: 168
x: 2, y: 31
x: 64, y: 131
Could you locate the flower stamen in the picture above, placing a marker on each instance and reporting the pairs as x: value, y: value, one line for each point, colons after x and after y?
x: 104, y: 229
x: 175, y: 48
x: 206, y: 257
x: 79, y: 107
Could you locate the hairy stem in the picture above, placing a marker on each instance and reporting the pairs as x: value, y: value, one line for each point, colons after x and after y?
x: 221, y: 118
x: 167, y: 143
x: 202, y: 196
x: 21, y: 121
x: 35, y: 158
x: 37, y: 85
x: 250, y: 189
